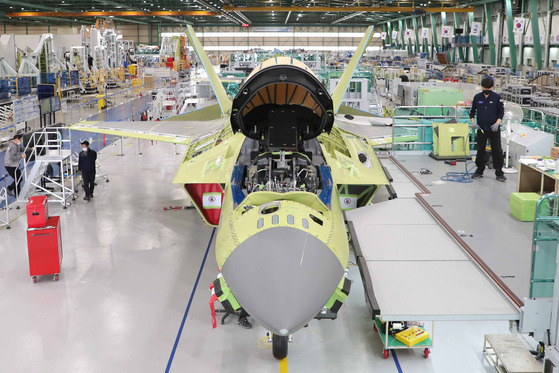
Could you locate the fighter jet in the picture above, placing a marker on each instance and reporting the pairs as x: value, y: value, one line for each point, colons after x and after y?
x: 273, y: 170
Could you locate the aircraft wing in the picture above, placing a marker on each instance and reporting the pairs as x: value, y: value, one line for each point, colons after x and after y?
x: 341, y: 88
x: 183, y: 129
x: 220, y: 93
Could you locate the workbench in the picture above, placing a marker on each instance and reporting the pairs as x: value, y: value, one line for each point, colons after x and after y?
x: 507, y: 354
x: 534, y: 179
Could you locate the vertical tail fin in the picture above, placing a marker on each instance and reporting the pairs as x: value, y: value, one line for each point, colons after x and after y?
x: 220, y: 93
x: 341, y: 88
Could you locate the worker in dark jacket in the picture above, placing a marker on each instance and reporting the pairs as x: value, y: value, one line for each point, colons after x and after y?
x: 12, y: 158
x: 489, y: 110
x: 86, y: 165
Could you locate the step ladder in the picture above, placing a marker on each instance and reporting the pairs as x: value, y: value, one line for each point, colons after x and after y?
x: 49, y: 146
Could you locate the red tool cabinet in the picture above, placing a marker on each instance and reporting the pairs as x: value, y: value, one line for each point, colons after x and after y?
x: 45, y: 249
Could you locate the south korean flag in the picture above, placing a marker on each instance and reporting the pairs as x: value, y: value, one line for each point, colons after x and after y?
x: 519, y: 23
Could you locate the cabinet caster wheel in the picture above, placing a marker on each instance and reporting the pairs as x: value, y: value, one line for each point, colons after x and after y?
x: 55, y: 277
x: 426, y: 353
x: 34, y: 279
x: 386, y: 353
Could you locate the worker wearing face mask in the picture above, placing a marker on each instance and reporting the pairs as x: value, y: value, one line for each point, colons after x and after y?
x: 489, y: 110
x: 86, y: 165
x: 13, y: 157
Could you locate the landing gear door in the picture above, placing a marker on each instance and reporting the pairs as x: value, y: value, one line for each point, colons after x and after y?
x: 208, y: 199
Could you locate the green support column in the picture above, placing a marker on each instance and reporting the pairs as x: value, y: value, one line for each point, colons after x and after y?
x: 425, y: 40
x: 460, y: 50
x: 389, y: 33
x: 483, y: 34
x: 417, y: 44
x: 490, y: 35
x: 402, y: 33
x: 521, y: 45
x: 548, y: 31
x: 467, y: 29
x: 474, y: 42
x: 410, y: 46
x: 536, y: 33
x: 385, y: 29
x: 435, y: 41
x: 444, y: 41
x: 159, y: 34
x: 510, y: 29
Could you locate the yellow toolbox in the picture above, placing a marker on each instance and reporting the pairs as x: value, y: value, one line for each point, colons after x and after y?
x: 412, y: 336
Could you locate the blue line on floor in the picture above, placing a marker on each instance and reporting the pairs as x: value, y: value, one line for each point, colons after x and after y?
x: 396, y: 361
x: 188, y: 306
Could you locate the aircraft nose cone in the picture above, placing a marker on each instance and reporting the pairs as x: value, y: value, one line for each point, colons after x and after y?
x: 282, y: 277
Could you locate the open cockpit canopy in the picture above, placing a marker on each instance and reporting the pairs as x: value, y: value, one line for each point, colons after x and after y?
x: 282, y: 102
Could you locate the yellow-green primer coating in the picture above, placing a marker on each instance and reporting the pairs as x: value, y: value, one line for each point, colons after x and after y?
x: 237, y: 224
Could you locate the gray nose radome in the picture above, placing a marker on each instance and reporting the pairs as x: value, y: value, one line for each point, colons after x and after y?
x: 282, y: 277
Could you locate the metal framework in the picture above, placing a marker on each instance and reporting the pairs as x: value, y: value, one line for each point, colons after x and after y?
x: 45, y: 147
x: 4, y: 218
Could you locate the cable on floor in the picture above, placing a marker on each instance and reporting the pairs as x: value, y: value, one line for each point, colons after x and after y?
x: 462, y: 177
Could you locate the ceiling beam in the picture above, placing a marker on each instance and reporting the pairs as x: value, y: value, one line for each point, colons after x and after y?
x: 349, y: 16
x: 168, y: 15
x: 27, y: 21
x: 128, y: 20
x: 161, y: 13
x: 28, y: 5
x: 243, y: 17
x: 287, y: 18
x: 174, y: 19
x: 351, y: 9
x: 224, y: 13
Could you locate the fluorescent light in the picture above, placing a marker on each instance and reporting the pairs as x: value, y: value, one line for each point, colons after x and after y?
x: 288, y: 34
x: 271, y: 48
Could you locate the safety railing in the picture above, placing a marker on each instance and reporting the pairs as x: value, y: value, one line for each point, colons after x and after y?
x: 412, y: 126
x: 48, y: 147
x: 4, y: 208
x: 546, y: 119
x: 544, y: 247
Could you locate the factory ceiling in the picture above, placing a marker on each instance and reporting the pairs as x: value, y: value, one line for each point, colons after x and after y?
x: 221, y: 12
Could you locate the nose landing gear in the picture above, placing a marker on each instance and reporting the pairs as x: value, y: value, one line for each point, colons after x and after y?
x: 279, y: 346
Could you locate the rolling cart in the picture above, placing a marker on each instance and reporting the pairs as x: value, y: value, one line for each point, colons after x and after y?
x: 44, y: 240
x: 391, y: 343
x: 45, y: 249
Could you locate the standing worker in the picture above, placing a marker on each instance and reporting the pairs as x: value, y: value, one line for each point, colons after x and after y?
x: 90, y: 62
x: 13, y: 156
x: 86, y: 165
x: 490, y: 111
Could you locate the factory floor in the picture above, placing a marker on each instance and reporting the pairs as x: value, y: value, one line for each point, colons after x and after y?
x: 133, y: 294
